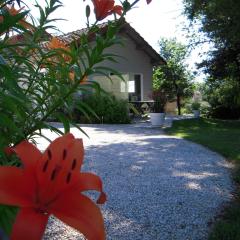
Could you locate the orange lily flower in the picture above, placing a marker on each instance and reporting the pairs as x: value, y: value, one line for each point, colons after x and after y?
x: 55, y: 43
x: 84, y: 80
x: 72, y: 76
x: 104, y: 8
x: 51, y: 183
x: 13, y: 11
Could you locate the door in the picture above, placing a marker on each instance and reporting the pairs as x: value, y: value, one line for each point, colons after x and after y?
x: 135, y: 88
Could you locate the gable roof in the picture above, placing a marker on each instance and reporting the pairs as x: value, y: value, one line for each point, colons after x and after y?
x: 130, y: 32
x: 142, y: 44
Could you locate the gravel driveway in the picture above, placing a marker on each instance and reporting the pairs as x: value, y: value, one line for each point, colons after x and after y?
x: 158, y: 186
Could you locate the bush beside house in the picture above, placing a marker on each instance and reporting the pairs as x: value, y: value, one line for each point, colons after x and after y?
x: 108, y: 109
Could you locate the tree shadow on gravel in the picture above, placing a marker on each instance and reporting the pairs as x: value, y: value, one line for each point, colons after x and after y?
x: 159, y: 188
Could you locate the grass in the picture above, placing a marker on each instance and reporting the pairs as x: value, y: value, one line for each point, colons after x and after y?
x: 222, y: 137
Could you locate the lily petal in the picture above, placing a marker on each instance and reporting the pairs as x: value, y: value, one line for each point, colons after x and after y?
x: 59, y: 168
x: 53, y: 157
x: 103, y: 8
x: 79, y: 212
x: 29, y: 156
x: 13, y: 187
x: 29, y: 225
x: 89, y: 181
x: 28, y: 153
x: 118, y: 10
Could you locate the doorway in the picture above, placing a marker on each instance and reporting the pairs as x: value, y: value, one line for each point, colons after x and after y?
x: 135, y: 88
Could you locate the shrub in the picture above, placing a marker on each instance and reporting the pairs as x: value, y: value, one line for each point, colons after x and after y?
x: 107, y: 108
x: 222, y: 112
x: 205, y: 109
x: 196, y: 105
x: 223, y: 96
x: 203, y: 106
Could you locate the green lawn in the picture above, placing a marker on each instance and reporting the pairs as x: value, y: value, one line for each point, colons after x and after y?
x: 220, y: 136
x: 224, y: 138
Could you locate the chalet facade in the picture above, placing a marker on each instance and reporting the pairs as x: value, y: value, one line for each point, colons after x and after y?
x: 136, y: 62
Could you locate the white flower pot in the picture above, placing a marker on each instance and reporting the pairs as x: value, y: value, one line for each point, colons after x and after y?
x: 157, y: 119
x: 196, y: 113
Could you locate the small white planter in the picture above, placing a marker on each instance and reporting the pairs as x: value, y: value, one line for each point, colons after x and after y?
x: 196, y: 113
x: 157, y: 119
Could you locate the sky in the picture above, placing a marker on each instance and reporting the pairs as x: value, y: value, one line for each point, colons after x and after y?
x: 160, y: 18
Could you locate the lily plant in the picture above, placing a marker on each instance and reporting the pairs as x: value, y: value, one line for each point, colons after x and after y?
x: 39, y: 74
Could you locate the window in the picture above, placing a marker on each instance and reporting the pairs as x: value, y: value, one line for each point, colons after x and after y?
x: 131, y: 86
x: 134, y: 88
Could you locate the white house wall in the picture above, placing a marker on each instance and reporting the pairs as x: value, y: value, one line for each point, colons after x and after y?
x: 132, y: 61
x: 117, y: 87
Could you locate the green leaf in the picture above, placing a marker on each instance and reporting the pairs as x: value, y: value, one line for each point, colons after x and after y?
x: 52, y: 128
x: 109, y: 70
x: 10, y: 21
x: 64, y: 120
x: 80, y: 129
x: 7, y: 216
x: 5, y: 121
x: 85, y: 109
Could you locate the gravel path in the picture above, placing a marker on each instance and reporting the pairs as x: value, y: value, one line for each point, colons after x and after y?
x: 158, y: 186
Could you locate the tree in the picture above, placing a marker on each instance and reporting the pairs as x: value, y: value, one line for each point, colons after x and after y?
x: 173, y: 78
x: 219, y: 22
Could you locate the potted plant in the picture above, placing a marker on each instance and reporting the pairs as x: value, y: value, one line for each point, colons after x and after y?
x: 157, y: 114
x: 196, y: 108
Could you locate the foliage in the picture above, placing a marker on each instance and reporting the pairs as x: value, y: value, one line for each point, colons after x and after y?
x: 39, y: 73
x: 30, y: 95
x: 107, y: 109
x: 205, y: 109
x: 223, y: 98
x: 196, y: 105
x: 219, y: 18
x: 196, y: 101
x: 173, y: 78
x: 220, y: 23
x: 229, y: 226
x: 6, y: 223
x: 160, y: 98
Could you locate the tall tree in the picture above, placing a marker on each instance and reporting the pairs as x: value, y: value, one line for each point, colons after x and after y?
x: 173, y: 78
x: 219, y: 22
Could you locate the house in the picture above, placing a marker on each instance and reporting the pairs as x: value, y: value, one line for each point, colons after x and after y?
x: 136, y: 64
